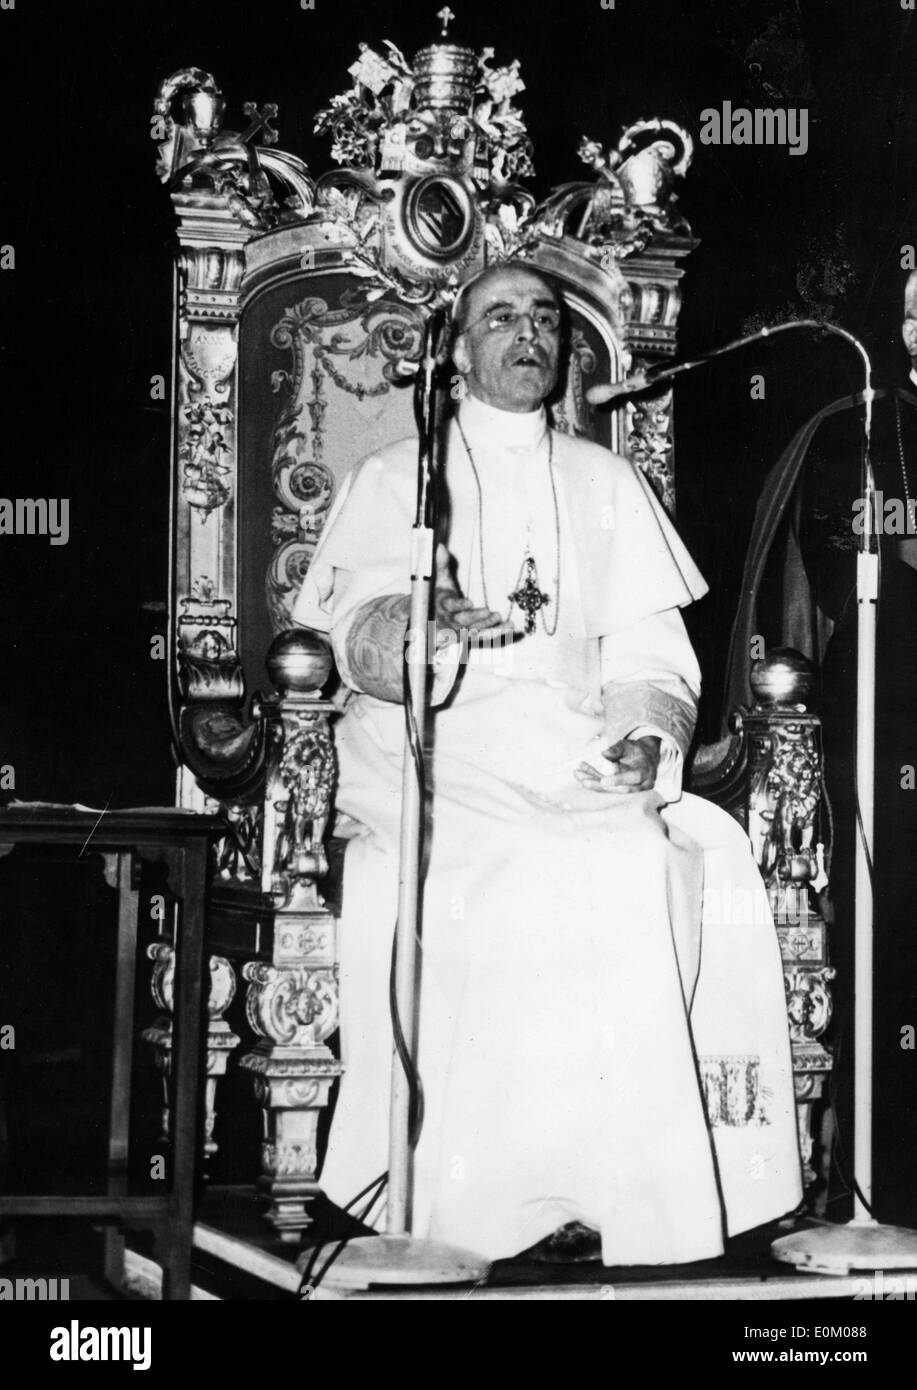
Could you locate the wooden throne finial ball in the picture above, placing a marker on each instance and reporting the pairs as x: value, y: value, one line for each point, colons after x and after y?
x: 783, y: 677
x: 299, y: 662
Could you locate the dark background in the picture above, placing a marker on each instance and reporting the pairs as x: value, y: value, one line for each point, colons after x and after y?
x: 86, y: 312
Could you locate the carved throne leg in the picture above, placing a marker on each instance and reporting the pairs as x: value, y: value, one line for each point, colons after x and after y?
x: 809, y: 1011
x: 292, y: 1001
x: 782, y: 819
x: 804, y: 1098
x: 292, y: 1008
x: 221, y: 1040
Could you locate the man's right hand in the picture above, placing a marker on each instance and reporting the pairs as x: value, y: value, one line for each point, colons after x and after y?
x: 460, y: 617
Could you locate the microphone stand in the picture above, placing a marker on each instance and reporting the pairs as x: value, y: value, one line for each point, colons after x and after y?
x: 862, y: 1243
x: 397, y: 1257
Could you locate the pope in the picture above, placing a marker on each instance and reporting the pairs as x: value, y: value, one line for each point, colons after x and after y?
x: 602, y: 1035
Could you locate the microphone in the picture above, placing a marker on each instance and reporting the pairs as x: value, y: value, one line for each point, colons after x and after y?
x: 640, y: 380
x: 637, y: 381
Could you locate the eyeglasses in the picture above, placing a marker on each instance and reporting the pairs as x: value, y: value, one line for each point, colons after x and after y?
x: 505, y: 320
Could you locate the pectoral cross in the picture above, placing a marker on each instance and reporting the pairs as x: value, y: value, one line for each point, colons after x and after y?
x: 528, y: 596
x: 446, y: 15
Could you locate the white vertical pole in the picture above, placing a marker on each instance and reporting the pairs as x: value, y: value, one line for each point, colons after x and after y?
x: 398, y: 1206
x: 867, y: 595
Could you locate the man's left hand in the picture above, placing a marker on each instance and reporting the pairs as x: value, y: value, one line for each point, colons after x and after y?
x: 634, y: 764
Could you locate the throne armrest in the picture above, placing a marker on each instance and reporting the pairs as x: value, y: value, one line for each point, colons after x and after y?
x: 274, y: 776
x: 719, y: 773
x: 768, y: 771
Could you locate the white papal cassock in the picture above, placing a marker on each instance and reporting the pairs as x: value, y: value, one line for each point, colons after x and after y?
x: 602, y: 1031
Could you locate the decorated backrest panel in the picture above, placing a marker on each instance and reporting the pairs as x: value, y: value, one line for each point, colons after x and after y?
x: 592, y: 356
x: 319, y: 390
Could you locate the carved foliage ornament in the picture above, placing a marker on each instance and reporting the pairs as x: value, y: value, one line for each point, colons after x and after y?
x: 237, y: 853
x: 785, y: 789
x: 307, y: 773
x: 286, y: 1160
x: 809, y: 1004
x: 206, y: 442
x: 649, y: 443
x: 443, y: 144
x: 292, y: 1006
x: 162, y: 980
x: 360, y: 348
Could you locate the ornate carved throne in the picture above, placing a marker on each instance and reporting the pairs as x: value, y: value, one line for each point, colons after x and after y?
x: 299, y: 313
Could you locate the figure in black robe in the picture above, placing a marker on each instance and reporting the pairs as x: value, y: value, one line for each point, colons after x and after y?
x: 820, y: 618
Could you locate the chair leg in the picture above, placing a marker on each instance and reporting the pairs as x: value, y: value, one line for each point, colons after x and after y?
x: 120, y: 868
x: 187, y: 1071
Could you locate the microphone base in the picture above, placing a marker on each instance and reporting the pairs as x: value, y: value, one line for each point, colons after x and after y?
x: 399, y: 1259
x: 860, y: 1245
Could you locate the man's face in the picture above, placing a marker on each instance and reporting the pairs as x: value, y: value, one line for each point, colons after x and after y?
x: 509, y: 351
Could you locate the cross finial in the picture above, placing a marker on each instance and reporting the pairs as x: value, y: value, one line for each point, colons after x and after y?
x: 446, y: 15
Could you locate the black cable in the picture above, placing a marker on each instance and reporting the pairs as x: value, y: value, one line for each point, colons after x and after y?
x: 307, y: 1282
x: 862, y: 829
x: 840, y: 1156
x: 345, y: 1240
x: 415, y: 1088
x: 376, y: 1182
x: 413, y: 733
x: 872, y: 892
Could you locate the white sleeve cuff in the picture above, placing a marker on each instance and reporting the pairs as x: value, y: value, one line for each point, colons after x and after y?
x: 445, y: 664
